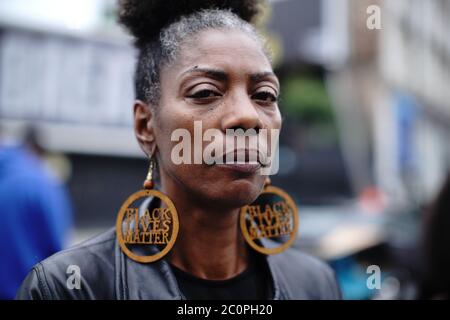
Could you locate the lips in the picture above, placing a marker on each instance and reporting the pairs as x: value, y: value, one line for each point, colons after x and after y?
x: 243, y: 160
x: 241, y: 167
x: 241, y: 156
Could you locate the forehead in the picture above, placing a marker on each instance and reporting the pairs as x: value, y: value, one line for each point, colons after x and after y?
x: 230, y: 50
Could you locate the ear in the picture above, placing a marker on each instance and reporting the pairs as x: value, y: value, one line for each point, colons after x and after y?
x: 144, y: 126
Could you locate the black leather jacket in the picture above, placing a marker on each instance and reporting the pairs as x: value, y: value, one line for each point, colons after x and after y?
x: 107, y: 273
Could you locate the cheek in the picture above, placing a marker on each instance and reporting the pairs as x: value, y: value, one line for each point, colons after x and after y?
x: 165, y: 124
x: 171, y: 120
x: 276, y: 120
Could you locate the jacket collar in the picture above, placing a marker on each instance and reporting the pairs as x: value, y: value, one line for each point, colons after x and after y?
x: 156, y: 281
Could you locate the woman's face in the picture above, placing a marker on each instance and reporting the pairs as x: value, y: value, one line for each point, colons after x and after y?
x: 224, y: 80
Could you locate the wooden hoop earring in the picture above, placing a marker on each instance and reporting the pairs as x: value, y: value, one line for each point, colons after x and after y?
x: 272, y: 215
x: 142, y: 231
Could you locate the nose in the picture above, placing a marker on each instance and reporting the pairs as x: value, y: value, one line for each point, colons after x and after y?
x: 240, y: 113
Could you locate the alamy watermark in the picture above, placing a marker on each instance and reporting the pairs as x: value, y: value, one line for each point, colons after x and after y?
x: 74, y: 277
x: 236, y: 146
x: 373, y: 21
x: 374, y: 280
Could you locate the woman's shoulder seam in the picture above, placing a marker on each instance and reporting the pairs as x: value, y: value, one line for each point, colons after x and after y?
x: 42, y: 280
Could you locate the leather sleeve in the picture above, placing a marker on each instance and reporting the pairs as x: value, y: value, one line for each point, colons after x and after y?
x: 51, y: 279
x: 34, y: 286
x: 335, y: 291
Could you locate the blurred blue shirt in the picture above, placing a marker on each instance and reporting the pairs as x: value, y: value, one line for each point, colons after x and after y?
x: 35, y: 216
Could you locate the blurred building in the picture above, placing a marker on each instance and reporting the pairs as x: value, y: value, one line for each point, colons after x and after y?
x: 390, y: 88
x: 387, y: 82
x: 414, y: 60
x: 66, y: 68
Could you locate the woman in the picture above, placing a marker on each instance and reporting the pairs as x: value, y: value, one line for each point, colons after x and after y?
x: 199, y: 61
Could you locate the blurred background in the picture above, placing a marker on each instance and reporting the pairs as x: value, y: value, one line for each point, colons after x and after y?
x: 364, y: 151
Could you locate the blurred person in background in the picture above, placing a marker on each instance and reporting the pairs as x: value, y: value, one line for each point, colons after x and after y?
x: 436, y: 284
x: 35, y: 212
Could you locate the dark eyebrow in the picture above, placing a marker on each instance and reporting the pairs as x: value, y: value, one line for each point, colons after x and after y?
x: 260, y: 76
x: 221, y: 75
x: 211, y: 73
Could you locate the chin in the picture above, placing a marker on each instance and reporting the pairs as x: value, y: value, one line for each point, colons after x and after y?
x: 241, y: 192
x: 228, y: 190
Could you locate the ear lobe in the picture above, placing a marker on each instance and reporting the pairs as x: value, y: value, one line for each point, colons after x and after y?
x: 143, y: 126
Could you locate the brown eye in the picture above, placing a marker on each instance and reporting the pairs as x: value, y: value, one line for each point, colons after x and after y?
x: 265, y: 96
x: 203, y: 94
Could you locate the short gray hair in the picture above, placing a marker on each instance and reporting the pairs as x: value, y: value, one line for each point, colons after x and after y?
x: 164, y: 49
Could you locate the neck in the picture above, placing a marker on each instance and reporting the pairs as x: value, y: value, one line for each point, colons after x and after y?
x: 209, y: 243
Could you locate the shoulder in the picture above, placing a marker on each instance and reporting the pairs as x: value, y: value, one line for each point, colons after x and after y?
x: 304, y: 276
x: 75, y: 273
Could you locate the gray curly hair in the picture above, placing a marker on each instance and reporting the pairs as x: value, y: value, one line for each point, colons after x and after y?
x: 164, y: 49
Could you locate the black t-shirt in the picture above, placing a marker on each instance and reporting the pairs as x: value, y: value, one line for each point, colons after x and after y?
x: 254, y: 283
